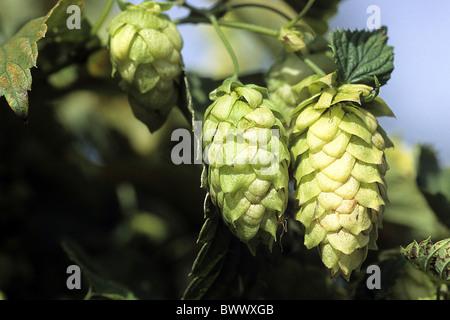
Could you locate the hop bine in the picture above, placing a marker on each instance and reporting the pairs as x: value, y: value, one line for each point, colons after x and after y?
x: 338, y: 161
x: 245, y: 149
x: 145, y: 54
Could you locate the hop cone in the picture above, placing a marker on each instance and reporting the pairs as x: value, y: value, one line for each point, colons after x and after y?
x: 338, y: 160
x: 245, y: 149
x: 145, y: 53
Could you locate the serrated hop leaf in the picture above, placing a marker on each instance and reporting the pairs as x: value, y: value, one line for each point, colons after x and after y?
x: 433, y: 259
x: 287, y: 71
x: 247, y: 159
x: 338, y: 161
x: 145, y: 53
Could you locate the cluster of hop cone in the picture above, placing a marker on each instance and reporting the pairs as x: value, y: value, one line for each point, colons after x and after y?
x: 307, y: 128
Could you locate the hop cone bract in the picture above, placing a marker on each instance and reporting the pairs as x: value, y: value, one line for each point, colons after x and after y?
x: 145, y: 54
x: 338, y: 160
x: 247, y: 161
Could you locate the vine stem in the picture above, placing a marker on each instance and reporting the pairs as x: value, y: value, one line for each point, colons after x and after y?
x: 226, y: 43
x: 88, y: 294
x: 258, y: 5
x: 232, y: 24
x: 250, y: 27
x: 313, y: 66
x: 301, y: 14
x: 102, y: 18
x: 210, y: 17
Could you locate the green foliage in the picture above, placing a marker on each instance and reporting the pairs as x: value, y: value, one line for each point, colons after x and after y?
x: 17, y: 56
x: 407, y: 207
x: 209, y: 266
x: 20, y: 52
x: 434, y: 183
x: 362, y: 55
x: 431, y: 258
x: 86, y: 169
x: 98, y: 286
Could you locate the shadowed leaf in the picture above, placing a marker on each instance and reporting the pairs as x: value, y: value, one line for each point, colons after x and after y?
x: 98, y: 286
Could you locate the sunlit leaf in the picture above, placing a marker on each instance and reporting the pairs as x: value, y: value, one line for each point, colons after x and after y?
x: 360, y: 55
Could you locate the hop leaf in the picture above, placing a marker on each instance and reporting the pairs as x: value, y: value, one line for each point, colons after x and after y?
x: 361, y: 55
x: 17, y: 56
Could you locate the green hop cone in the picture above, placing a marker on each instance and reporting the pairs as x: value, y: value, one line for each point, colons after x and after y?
x: 145, y: 54
x: 247, y: 159
x: 338, y: 161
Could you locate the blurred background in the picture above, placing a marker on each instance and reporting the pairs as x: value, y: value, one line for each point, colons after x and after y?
x: 84, y: 182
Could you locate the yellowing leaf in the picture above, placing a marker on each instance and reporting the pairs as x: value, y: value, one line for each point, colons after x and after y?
x: 17, y: 56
